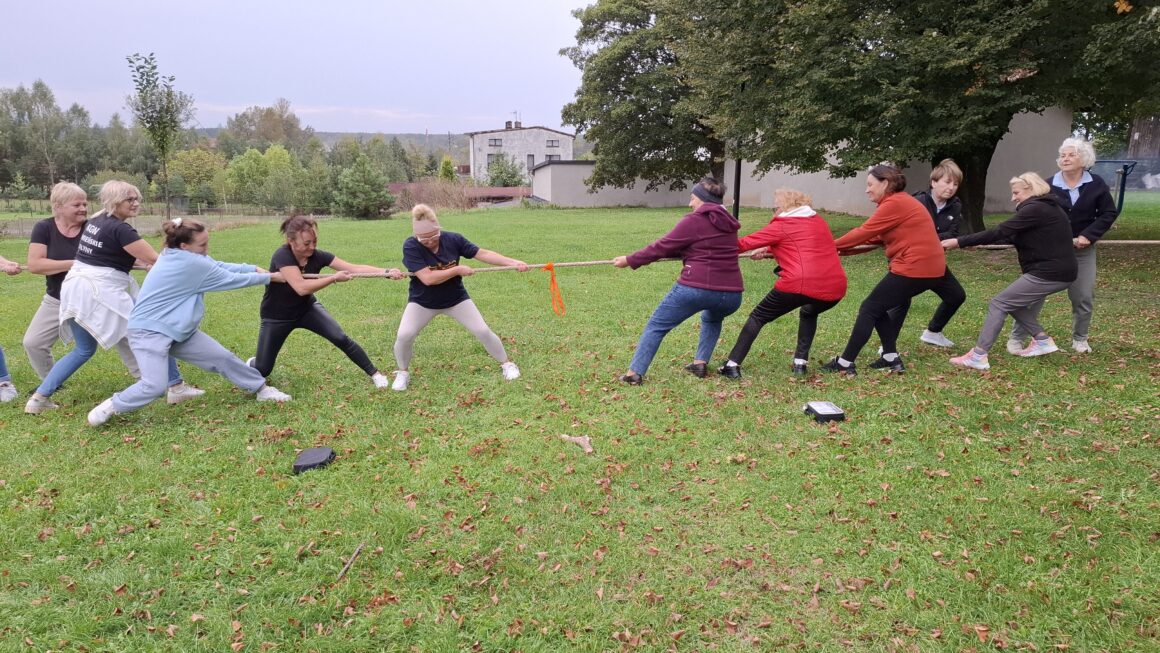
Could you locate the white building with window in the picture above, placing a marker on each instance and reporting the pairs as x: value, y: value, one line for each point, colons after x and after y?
x: 527, y: 146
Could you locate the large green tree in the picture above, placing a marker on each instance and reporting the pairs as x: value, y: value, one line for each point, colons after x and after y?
x: 159, y: 109
x: 631, y: 100
x: 839, y: 84
x: 361, y: 191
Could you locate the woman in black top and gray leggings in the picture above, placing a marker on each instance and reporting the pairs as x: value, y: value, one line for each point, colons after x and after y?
x: 1041, y: 234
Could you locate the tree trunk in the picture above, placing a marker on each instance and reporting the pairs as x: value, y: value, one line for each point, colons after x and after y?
x: 717, y: 159
x: 973, y: 191
x: 165, y: 186
x: 1144, y: 138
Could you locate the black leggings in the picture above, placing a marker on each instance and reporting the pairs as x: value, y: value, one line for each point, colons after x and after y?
x: 949, y: 290
x: 773, y: 306
x: 893, y: 291
x: 273, y: 333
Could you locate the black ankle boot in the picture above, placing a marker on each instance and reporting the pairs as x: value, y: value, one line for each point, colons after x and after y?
x: 632, y: 379
x: 730, y: 371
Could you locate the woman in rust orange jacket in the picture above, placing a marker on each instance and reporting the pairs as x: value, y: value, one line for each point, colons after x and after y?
x: 917, y: 263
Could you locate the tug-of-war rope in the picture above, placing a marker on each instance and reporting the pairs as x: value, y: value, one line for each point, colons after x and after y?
x: 558, y: 299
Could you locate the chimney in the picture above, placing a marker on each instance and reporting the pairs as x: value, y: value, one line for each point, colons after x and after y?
x: 507, y: 125
x: 518, y: 124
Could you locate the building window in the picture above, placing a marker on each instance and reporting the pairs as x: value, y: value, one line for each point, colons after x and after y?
x: 553, y: 142
x: 553, y: 157
x: 495, y: 142
x: 531, y: 161
x: 490, y: 159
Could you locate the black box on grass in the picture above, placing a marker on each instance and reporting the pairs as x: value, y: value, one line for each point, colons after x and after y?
x: 313, y: 459
x: 824, y: 411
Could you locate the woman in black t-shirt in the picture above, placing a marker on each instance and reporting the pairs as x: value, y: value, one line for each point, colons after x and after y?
x: 98, y: 294
x: 432, y: 256
x: 291, y: 305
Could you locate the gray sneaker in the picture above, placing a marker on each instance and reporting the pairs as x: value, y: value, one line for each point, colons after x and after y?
x: 38, y: 404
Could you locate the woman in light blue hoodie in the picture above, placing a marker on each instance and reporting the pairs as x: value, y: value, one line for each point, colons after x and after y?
x: 165, y: 320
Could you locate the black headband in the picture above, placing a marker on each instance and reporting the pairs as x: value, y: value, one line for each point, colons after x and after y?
x: 705, y: 196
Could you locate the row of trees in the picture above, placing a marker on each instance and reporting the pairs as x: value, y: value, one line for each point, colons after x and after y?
x: 264, y: 156
x: 837, y: 85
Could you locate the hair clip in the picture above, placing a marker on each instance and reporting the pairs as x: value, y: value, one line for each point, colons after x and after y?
x: 176, y: 222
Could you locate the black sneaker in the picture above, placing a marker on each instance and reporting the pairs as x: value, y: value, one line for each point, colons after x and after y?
x: 699, y: 370
x: 835, y: 366
x: 730, y: 371
x: 632, y: 379
x: 892, y: 367
x: 799, y: 369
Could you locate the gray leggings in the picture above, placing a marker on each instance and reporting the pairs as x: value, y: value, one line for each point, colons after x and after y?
x: 1021, y: 300
x: 1081, y: 292
x: 415, y: 318
x: 44, y: 331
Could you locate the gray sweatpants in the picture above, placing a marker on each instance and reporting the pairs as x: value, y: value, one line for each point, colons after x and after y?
x: 153, y: 350
x: 1019, y: 300
x: 415, y: 318
x: 1081, y: 292
x: 44, y: 331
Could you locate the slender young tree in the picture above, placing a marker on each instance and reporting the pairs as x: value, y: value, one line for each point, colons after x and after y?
x: 160, y: 110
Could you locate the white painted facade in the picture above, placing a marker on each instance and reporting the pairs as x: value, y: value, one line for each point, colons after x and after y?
x: 527, y: 146
x: 564, y: 183
x: 1031, y: 143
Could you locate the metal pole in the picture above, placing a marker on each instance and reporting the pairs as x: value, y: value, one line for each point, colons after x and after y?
x: 737, y: 189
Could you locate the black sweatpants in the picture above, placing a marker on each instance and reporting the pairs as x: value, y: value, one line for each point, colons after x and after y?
x: 773, y: 306
x: 891, y: 292
x: 949, y: 290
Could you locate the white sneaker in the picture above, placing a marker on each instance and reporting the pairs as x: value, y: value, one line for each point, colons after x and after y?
x: 102, y: 412
x: 8, y: 391
x: 250, y: 361
x: 1015, y: 346
x: 380, y: 381
x: 402, y: 377
x: 1078, y: 346
x: 182, y: 392
x: 972, y: 360
x: 270, y: 393
x: 1039, y: 348
x: 510, y: 371
x: 935, y: 338
x: 38, y: 404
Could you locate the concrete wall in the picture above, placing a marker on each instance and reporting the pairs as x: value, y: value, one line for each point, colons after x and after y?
x: 563, y: 183
x: 517, y: 144
x: 1031, y: 143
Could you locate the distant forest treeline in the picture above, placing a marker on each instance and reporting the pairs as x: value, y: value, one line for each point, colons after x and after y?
x: 263, y: 156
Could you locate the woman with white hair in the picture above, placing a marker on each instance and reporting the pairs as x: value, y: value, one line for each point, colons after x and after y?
x: 1087, y: 200
x: 1042, y: 238
x: 98, y: 293
x: 432, y: 256
x: 51, y: 251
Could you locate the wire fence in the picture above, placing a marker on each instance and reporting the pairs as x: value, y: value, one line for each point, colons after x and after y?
x: 17, y: 216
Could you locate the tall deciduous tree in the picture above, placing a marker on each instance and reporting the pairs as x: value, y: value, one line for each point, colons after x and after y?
x: 839, y: 84
x: 260, y: 127
x: 160, y: 110
x: 631, y: 100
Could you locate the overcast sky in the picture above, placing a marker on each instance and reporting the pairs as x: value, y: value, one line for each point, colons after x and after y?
x: 345, y: 65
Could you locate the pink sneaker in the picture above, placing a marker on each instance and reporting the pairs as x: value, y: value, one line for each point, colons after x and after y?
x: 1039, y: 348
x: 972, y: 360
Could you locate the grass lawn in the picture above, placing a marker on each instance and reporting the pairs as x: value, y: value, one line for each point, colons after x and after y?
x: 952, y: 510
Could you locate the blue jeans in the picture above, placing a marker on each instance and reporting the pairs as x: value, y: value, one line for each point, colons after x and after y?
x: 3, y: 367
x: 680, y: 304
x: 85, y: 347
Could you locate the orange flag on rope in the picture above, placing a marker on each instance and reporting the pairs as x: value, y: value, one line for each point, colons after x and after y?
x: 554, y: 290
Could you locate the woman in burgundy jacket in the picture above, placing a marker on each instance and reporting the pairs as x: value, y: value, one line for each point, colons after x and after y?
x: 810, y: 276
x: 710, y: 281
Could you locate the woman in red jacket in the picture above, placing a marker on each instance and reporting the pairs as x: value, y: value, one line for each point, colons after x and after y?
x: 810, y: 276
x: 917, y: 263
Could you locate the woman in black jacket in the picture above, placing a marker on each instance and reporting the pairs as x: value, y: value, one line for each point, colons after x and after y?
x: 1042, y: 237
x: 1087, y: 200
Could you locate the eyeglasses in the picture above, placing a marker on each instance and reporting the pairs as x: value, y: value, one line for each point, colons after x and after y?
x: 429, y: 237
x: 132, y: 199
